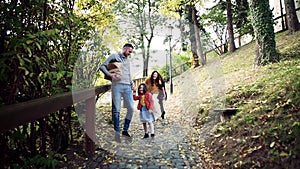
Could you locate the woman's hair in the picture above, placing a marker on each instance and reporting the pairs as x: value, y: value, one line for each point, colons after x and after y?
x: 145, y: 88
x: 156, y: 81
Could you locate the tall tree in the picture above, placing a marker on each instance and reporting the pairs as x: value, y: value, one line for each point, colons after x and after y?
x: 262, y: 22
x: 292, y: 19
x: 216, y: 21
x: 40, y: 43
x: 188, y: 10
x: 232, y: 47
x: 196, y: 25
x: 241, y: 13
x: 144, y: 17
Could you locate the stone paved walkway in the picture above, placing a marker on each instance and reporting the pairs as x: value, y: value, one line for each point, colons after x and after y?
x: 177, y: 157
x: 171, y: 147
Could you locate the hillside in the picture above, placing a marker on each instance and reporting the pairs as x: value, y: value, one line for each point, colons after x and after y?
x: 265, y: 132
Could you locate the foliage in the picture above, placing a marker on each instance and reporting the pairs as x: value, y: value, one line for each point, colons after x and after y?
x: 262, y: 23
x: 181, y: 58
x: 40, y: 162
x: 242, y: 17
x: 178, y: 60
x: 171, y: 7
x: 265, y: 131
x: 216, y: 21
x: 40, y: 44
x: 144, y: 18
x: 97, y: 13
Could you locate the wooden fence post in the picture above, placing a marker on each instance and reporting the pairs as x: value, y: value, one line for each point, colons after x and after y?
x: 90, y: 135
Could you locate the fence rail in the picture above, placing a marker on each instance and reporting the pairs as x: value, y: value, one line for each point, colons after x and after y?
x: 14, y: 115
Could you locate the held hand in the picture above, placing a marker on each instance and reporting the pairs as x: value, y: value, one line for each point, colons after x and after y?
x: 112, y: 76
x: 133, y: 87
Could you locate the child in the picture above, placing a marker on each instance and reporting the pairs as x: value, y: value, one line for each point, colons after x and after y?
x: 145, y: 106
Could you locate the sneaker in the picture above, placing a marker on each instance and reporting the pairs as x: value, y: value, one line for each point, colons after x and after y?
x: 117, y: 138
x: 146, y: 135
x: 125, y: 133
x: 152, y: 135
x: 163, y: 115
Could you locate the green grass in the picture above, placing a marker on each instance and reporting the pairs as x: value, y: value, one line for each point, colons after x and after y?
x: 265, y: 132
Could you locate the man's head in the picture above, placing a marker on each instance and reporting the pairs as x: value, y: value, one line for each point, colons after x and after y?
x: 127, y: 49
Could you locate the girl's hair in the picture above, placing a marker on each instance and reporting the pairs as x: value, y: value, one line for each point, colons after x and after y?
x: 144, y: 90
x: 156, y: 81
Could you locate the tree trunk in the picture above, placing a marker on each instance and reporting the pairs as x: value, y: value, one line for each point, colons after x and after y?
x: 197, y: 37
x: 292, y: 19
x: 192, y: 37
x: 262, y: 23
x: 145, y: 66
x: 232, y: 47
x: 146, y: 63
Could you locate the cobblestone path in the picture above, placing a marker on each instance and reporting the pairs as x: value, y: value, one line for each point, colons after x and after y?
x: 170, y: 148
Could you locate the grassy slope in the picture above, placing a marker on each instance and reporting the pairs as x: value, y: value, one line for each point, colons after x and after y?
x: 265, y: 133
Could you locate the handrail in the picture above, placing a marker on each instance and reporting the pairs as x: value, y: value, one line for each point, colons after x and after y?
x: 182, y: 68
x: 138, y: 81
x: 12, y: 116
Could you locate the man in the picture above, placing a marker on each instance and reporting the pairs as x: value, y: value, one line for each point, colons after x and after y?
x: 121, y: 87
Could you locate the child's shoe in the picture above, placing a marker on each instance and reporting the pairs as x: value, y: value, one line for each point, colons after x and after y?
x: 146, y: 135
x: 163, y: 115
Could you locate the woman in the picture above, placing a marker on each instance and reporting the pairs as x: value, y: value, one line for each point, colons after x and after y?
x: 156, y: 87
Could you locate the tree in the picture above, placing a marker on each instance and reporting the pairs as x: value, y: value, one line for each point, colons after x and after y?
x: 193, y: 20
x: 262, y: 23
x: 102, y: 34
x: 40, y: 43
x: 232, y: 47
x: 196, y: 33
x: 188, y: 12
x: 216, y: 21
x: 292, y: 19
x: 144, y: 17
x: 241, y: 13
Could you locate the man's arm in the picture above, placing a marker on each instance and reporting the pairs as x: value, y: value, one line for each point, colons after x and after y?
x: 103, y: 67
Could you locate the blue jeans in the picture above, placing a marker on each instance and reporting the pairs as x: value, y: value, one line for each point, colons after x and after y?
x: 120, y: 91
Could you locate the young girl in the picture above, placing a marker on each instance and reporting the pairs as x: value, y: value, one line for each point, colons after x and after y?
x: 145, y: 106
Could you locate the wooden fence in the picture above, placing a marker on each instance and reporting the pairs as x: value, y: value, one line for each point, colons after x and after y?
x: 12, y: 116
